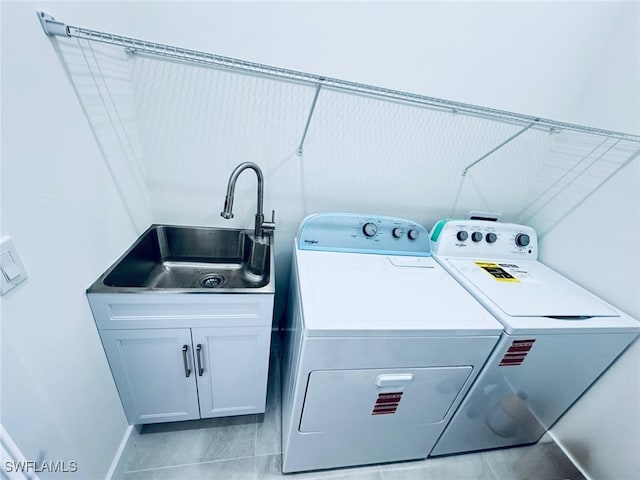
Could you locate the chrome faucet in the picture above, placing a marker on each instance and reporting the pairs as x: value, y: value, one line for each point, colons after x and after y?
x: 260, y: 225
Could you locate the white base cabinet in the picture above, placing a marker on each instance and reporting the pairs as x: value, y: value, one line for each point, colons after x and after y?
x: 210, y: 366
x: 233, y: 361
x: 147, y: 366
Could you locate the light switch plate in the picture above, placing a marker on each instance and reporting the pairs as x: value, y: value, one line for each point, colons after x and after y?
x: 12, y: 272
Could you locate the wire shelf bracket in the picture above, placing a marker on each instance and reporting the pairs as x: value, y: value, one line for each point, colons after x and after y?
x: 497, y: 147
x: 53, y: 27
x: 483, y: 157
x: 306, y: 127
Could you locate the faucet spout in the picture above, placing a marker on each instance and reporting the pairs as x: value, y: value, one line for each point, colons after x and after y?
x: 227, y: 212
x: 228, y: 207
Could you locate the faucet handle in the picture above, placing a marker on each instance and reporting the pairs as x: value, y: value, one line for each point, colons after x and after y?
x: 270, y: 226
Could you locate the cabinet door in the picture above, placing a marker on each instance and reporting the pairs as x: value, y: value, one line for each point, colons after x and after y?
x: 154, y: 372
x: 235, y: 363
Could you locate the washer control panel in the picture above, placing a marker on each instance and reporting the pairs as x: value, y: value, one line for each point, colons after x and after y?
x: 482, y: 238
x: 357, y: 233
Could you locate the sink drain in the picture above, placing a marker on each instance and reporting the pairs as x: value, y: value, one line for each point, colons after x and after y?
x: 211, y: 280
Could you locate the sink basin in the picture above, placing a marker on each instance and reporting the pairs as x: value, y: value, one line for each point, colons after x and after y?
x: 169, y: 258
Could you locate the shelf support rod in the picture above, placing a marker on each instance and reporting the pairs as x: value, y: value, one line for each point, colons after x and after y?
x: 311, y: 110
x: 498, y: 147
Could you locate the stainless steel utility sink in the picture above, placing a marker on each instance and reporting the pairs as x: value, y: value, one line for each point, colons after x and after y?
x: 169, y: 258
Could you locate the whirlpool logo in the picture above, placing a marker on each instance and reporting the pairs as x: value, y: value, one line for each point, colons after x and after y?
x: 310, y: 242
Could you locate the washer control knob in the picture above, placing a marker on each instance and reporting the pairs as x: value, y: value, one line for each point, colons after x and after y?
x: 413, y: 234
x: 491, y: 237
x: 476, y: 236
x: 397, y: 232
x: 369, y: 229
x: 462, y: 235
x: 522, y: 240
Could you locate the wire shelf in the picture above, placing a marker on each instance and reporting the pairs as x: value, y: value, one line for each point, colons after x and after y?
x: 170, y: 133
x: 138, y: 46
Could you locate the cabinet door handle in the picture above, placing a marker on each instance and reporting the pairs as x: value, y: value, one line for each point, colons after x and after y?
x: 199, y: 352
x: 187, y: 370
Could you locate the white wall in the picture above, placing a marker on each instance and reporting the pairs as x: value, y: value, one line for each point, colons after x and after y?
x: 557, y: 60
x: 602, y: 431
x: 68, y: 223
x: 567, y: 61
x: 551, y: 59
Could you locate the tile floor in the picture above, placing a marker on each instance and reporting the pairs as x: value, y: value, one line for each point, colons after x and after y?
x: 248, y: 447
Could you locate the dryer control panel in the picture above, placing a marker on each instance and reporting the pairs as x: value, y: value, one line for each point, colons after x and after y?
x: 358, y: 233
x: 482, y: 238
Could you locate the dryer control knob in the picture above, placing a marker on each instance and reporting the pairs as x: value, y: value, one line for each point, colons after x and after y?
x: 476, y: 236
x: 462, y: 235
x: 522, y: 239
x: 369, y: 229
x: 491, y: 237
x: 413, y: 234
x: 397, y: 232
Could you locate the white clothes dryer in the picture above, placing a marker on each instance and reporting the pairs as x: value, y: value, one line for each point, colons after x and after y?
x: 380, y: 347
x: 558, y: 338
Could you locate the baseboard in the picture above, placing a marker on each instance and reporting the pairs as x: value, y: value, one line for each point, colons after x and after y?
x: 567, y: 453
x: 116, y: 471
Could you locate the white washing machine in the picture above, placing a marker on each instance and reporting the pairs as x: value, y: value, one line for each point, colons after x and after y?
x: 558, y: 337
x: 380, y: 347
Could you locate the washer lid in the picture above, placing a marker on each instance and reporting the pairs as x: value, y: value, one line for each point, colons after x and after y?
x: 530, y: 289
x: 368, y: 294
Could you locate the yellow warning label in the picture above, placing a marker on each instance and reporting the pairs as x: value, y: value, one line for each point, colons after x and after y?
x: 497, y: 272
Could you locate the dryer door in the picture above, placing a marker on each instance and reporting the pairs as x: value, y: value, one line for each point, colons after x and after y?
x: 370, y: 401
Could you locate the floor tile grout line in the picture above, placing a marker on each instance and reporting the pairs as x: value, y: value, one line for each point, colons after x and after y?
x: 255, y: 434
x: 493, y: 470
x: 182, y: 465
x: 267, y: 455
